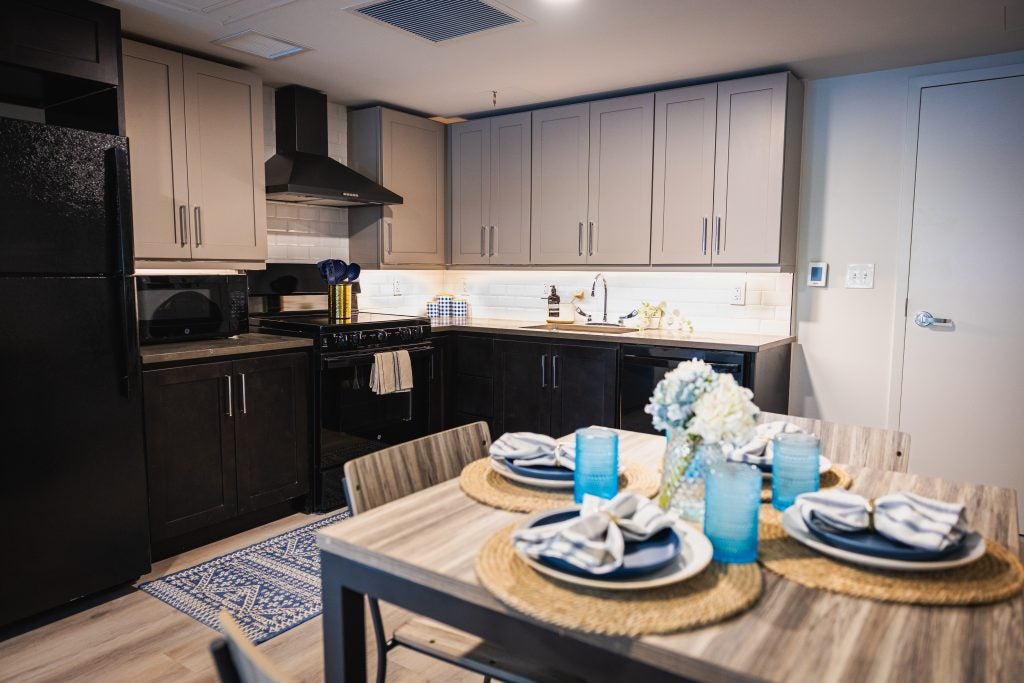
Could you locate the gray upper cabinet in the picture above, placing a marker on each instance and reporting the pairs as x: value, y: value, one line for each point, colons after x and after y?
x: 406, y: 154
x: 561, y: 156
x: 726, y: 173
x: 619, y: 215
x: 196, y: 141
x: 684, y: 175
x: 490, y: 185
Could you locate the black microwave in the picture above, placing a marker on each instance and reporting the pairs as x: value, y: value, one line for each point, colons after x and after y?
x: 174, y: 308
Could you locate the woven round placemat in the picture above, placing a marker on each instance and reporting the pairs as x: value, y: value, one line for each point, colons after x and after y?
x: 483, y: 484
x: 833, y: 477
x: 997, y: 575
x: 717, y: 593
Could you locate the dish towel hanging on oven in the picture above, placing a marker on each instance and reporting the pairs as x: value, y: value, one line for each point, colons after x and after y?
x: 391, y: 372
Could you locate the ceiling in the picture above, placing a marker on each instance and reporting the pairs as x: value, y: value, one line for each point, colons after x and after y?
x: 572, y: 48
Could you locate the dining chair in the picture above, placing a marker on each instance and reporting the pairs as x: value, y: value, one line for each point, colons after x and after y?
x: 398, y: 471
x: 237, y: 660
x: 880, y: 449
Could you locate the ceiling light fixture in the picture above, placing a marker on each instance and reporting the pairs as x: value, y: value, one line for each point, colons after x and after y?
x: 261, y: 44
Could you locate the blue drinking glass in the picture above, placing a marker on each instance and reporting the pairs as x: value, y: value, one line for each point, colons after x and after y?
x: 731, y: 503
x: 597, y: 463
x: 794, y: 467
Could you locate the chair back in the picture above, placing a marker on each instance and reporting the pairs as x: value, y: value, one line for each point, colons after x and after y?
x: 395, y: 472
x: 238, y: 661
x: 880, y: 449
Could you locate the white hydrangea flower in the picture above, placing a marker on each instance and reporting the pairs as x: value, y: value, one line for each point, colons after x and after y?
x: 724, y: 414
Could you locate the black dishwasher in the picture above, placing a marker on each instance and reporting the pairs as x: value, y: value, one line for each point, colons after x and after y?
x: 644, y: 366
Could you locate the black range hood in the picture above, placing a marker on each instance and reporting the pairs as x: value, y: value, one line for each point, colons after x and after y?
x: 301, y: 171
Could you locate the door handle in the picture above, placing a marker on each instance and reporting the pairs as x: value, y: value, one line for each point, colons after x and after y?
x: 544, y: 371
x: 590, y: 238
x: 554, y: 371
x: 718, y: 235
x: 926, y: 319
x: 199, y: 228
x: 704, y: 238
x: 183, y: 224
x: 581, y: 239
x: 245, y: 408
x: 483, y: 237
x: 490, y: 251
x: 227, y: 378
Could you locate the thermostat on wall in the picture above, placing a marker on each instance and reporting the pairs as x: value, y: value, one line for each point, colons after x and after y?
x: 817, y: 274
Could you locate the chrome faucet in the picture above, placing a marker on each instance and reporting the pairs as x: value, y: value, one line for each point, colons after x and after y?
x: 593, y: 292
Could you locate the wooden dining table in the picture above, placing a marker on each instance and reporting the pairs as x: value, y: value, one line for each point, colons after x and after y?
x: 418, y: 553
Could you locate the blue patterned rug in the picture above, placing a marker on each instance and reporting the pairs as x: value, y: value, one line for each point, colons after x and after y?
x: 268, y: 587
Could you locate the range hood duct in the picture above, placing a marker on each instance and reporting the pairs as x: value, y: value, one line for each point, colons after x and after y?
x: 301, y: 172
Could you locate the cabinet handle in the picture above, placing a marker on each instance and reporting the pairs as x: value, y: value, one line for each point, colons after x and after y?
x: 581, y: 238
x: 231, y: 401
x: 183, y: 224
x: 245, y: 408
x: 199, y: 229
x: 704, y: 238
x: 590, y: 238
x: 544, y: 371
x: 483, y: 238
x: 491, y: 250
x: 554, y: 371
x: 718, y: 234
x: 389, y: 237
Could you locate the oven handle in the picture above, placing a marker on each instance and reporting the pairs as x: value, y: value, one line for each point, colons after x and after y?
x: 343, y: 360
x: 656, y: 362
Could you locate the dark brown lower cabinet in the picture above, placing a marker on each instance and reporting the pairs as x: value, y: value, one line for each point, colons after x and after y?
x: 223, y: 439
x: 555, y: 388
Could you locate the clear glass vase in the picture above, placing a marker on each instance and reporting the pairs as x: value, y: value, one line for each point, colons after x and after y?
x: 687, y: 461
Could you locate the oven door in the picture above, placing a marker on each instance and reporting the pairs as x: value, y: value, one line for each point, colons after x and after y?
x: 354, y: 421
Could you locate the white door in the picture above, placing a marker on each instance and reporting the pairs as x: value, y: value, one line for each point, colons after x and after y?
x: 561, y: 152
x: 509, y: 239
x: 470, y: 170
x: 963, y: 380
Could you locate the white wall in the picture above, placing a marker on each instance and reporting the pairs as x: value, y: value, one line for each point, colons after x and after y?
x: 853, y: 145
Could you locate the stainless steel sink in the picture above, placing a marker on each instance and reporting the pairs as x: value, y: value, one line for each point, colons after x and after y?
x: 571, y: 327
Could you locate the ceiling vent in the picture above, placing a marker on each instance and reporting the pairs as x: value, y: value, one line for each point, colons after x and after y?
x: 439, y: 20
x: 260, y: 44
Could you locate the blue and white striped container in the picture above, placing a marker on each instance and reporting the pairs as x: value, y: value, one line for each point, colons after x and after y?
x: 460, y: 308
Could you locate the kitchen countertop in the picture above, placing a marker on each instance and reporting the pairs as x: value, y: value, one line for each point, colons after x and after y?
x: 725, y: 341
x: 213, y: 348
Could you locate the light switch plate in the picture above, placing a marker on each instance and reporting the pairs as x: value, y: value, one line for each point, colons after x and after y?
x: 860, y: 276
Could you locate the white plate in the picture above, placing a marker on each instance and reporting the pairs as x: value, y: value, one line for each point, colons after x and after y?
x: 538, y: 483
x: 973, y: 548
x: 824, y: 465
x: 694, y: 555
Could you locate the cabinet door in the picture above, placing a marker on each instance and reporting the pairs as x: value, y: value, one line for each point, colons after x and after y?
x: 749, y: 169
x: 471, y: 187
x: 413, y: 165
x: 621, y: 149
x: 189, y: 447
x: 154, y: 112
x: 224, y: 137
x: 272, y: 446
x: 684, y: 175
x: 561, y: 152
x: 509, y: 240
x: 584, y: 382
x: 524, y: 387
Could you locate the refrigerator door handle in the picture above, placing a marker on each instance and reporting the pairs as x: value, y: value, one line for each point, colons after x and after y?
x: 129, y: 324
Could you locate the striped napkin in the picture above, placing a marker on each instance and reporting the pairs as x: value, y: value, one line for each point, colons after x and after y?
x: 905, y: 517
x: 526, y: 449
x: 596, y: 540
x: 758, y: 451
x: 391, y: 372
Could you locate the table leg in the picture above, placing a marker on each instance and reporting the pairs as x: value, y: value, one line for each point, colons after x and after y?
x: 344, y: 625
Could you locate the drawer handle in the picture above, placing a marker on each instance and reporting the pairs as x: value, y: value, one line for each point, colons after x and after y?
x: 183, y: 224
x: 227, y: 378
x: 199, y: 228
x: 245, y: 408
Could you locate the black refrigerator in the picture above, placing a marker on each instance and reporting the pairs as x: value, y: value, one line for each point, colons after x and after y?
x: 73, y: 480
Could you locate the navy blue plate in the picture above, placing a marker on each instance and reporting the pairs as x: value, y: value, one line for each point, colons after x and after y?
x: 548, y: 472
x: 874, y: 544
x: 640, y: 558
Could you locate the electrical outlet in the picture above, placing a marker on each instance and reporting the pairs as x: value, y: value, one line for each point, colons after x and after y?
x: 546, y: 291
x: 396, y: 288
x: 464, y: 286
x: 738, y: 295
x: 860, y: 276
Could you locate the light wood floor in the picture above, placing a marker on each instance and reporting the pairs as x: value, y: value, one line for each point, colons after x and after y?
x: 136, y: 637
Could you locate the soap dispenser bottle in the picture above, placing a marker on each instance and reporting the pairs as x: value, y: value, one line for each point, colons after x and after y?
x: 553, y: 301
